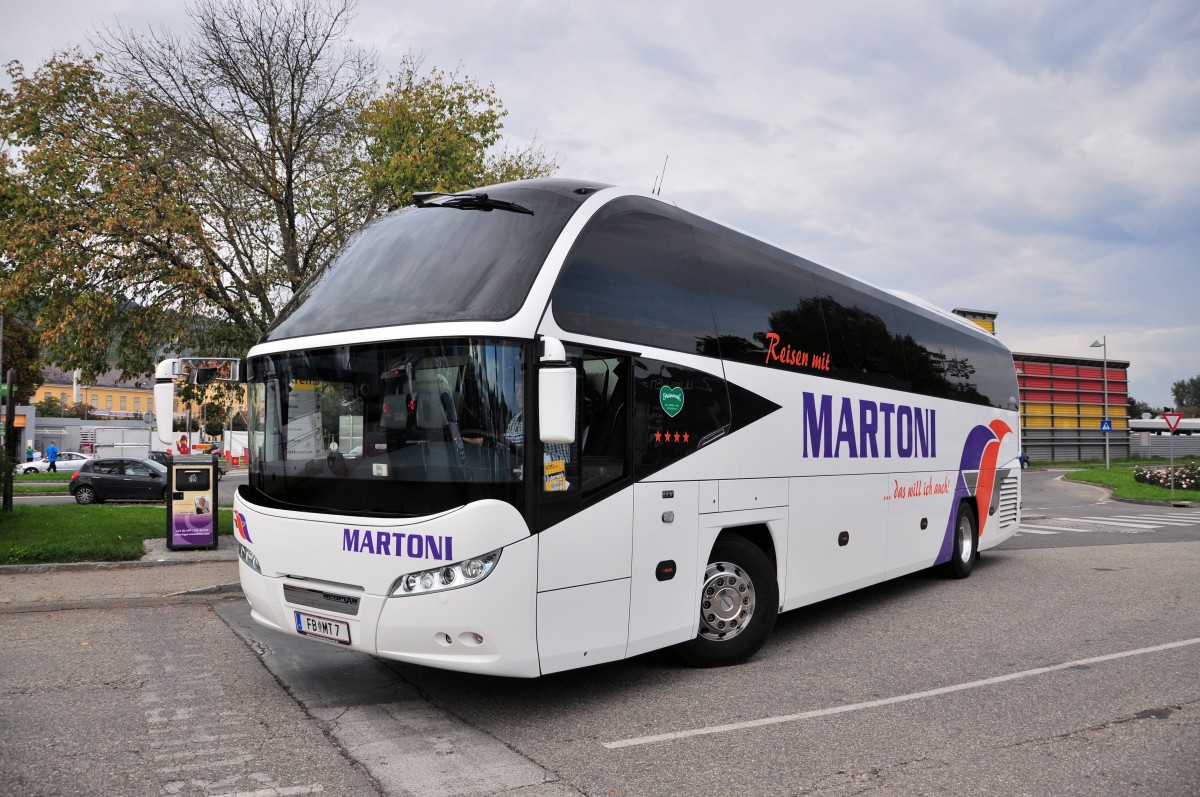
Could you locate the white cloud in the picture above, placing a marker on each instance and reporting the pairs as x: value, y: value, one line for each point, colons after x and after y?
x: 1041, y: 161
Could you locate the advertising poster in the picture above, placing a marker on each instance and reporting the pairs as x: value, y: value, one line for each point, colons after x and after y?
x: 192, y: 518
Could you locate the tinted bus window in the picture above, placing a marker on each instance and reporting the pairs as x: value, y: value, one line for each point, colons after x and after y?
x: 677, y: 410
x: 634, y: 276
x: 766, y: 309
x: 864, y: 344
x: 432, y: 264
x: 985, y: 375
x: 930, y: 356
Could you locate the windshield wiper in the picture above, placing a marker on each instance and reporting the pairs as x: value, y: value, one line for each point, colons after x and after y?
x: 468, y: 201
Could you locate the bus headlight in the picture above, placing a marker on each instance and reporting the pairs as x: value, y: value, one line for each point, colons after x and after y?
x: 247, y: 556
x: 460, y: 574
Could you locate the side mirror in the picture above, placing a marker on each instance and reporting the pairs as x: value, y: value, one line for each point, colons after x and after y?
x: 199, y: 371
x: 556, y: 395
x: 556, y: 404
x: 164, y: 398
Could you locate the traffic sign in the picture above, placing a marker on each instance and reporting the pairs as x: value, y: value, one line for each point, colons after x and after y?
x: 1106, y: 425
x: 1172, y: 419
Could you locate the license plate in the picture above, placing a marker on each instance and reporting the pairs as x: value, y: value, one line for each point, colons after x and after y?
x: 323, y: 627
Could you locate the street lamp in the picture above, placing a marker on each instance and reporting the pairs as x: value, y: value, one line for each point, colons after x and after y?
x: 1103, y: 344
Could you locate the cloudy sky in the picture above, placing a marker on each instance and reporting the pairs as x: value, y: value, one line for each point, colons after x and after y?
x: 1036, y: 159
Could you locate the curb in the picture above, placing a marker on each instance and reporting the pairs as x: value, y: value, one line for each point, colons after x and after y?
x: 1146, y: 502
x: 60, y: 567
x: 215, y: 589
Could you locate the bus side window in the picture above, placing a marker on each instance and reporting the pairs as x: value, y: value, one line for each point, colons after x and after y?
x: 604, y: 420
x: 678, y: 411
x: 864, y: 344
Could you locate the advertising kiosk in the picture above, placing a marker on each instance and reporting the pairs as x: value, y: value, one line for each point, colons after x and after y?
x: 192, y: 499
x: 192, y: 502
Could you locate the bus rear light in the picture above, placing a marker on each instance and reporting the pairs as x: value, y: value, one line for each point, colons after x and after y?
x: 459, y: 574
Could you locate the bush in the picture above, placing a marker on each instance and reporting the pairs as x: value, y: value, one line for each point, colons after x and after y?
x: 1187, y: 477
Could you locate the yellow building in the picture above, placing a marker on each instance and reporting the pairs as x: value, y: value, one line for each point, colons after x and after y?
x: 984, y: 318
x: 110, y: 397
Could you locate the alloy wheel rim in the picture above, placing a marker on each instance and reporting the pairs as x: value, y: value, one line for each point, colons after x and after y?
x: 726, y: 602
x: 966, y: 547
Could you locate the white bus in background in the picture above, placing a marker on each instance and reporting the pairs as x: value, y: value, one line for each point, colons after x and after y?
x: 550, y: 424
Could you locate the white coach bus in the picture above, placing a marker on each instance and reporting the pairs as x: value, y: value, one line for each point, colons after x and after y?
x: 550, y: 424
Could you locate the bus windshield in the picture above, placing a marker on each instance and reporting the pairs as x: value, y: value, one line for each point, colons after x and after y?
x: 462, y: 261
x: 396, y: 429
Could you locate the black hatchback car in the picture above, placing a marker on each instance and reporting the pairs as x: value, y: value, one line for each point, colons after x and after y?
x: 119, y: 479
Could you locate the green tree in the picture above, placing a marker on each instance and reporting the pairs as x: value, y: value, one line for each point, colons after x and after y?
x: 21, y: 355
x: 1138, y: 408
x: 92, y: 217
x: 267, y: 96
x: 215, y: 417
x: 1186, y: 393
x: 173, y: 193
x: 50, y: 407
x: 80, y: 409
x: 441, y: 131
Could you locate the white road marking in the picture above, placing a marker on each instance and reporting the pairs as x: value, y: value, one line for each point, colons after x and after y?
x: 227, y: 762
x: 280, y: 791
x: 1125, y: 524
x: 1133, y: 523
x: 1168, y: 520
x: 945, y: 690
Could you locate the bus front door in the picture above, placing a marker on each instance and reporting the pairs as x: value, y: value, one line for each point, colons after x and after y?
x: 664, y: 589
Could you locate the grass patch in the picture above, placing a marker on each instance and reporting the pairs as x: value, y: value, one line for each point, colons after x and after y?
x: 77, y: 533
x: 42, y: 478
x: 41, y: 487
x: 1122, y: 463
x: 42, y: 483
x: 1120, y: 479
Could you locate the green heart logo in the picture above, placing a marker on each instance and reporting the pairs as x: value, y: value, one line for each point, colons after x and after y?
x: 671, y: 400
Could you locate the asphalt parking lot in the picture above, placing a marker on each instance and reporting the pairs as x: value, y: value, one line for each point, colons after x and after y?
x: 1066, y: 664
x: 1065, y: 671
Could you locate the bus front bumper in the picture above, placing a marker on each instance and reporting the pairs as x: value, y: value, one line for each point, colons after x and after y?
x: 488, y: 628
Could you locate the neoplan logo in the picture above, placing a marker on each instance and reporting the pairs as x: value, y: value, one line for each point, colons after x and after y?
x: 671, y: 400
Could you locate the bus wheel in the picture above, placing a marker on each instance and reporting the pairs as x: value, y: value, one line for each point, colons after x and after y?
x: 739, y: 601
x: 966, y: 542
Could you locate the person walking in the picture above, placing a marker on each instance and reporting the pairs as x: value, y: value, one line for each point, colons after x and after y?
x: 52, y: 457
x: 29, y: 452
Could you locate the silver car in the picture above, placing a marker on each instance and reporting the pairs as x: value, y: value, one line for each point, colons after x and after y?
x: 68, y: 462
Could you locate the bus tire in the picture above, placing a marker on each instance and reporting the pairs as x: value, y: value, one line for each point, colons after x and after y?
x: 739, y: 601
x: 966, y: 543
